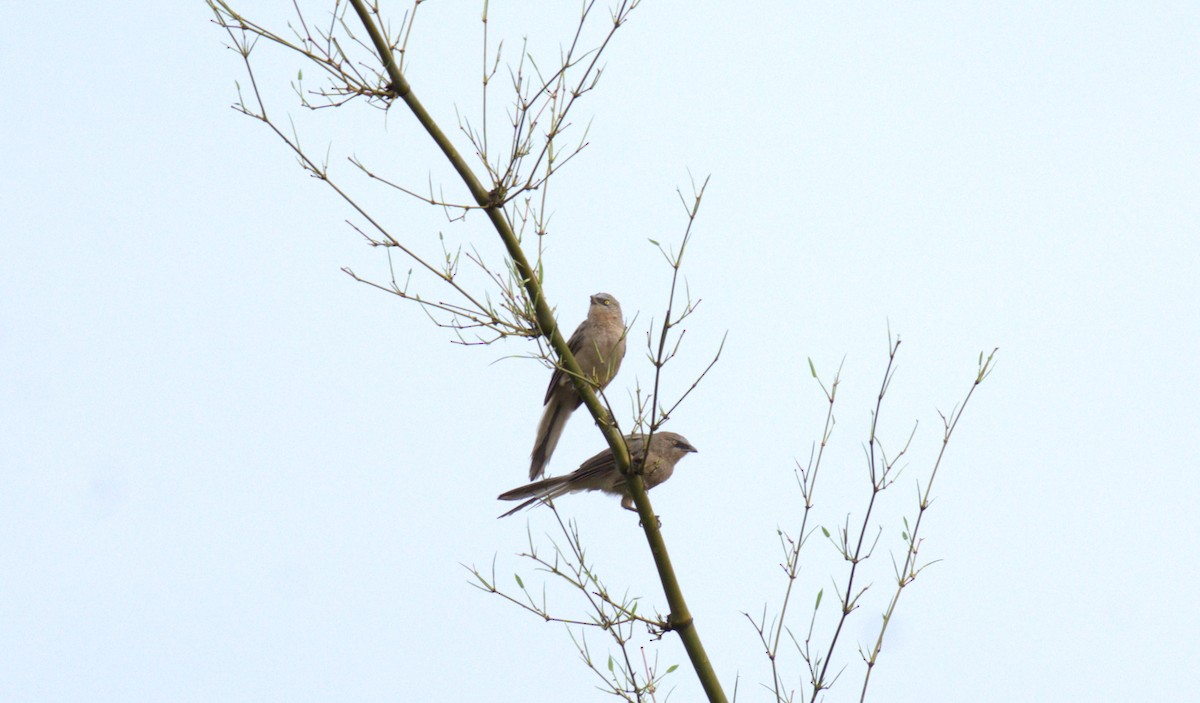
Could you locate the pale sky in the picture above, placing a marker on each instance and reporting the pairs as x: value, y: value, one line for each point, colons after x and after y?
x: 228, y: 472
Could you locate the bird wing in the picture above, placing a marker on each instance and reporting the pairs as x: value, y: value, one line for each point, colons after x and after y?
x: 605, y: 462
x: 575, y: 343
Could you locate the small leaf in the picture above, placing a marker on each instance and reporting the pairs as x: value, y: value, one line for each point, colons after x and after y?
x: 633, y: 610
x: 671, y: 668
x: 811, y: 367
x: 654, y: 242
x: 904, y: 535
x: 610, y: 663
x: 819, y: 594
x: 300, y: 75
x: 520, y: 583
x: 825, y: 530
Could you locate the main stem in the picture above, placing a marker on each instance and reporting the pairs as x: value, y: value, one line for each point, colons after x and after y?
x: 680, y: 618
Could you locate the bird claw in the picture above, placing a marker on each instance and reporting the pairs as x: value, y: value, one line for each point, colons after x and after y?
x: 657, y: 520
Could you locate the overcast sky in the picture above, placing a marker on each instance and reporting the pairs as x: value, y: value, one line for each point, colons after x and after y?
x: 228, y: 472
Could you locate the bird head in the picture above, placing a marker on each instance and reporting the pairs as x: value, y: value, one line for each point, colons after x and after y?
x: 675, y: 445
x: 604, y: 300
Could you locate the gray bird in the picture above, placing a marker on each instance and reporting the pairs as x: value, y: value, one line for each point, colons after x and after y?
x: 600, y: 473
x: 599, y: 346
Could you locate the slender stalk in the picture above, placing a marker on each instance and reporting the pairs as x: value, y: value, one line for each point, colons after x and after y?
x: 909, y: 571
x: 808, y: 485
x: 879, y: 483
x: 492, y: 204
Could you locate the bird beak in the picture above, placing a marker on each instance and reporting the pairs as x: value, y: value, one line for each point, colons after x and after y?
x: 690, y: 448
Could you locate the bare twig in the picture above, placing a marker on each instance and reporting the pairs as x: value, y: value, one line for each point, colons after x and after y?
x: 908, y: 572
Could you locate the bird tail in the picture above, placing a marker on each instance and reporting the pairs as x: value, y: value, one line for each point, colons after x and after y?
x: 537, y: 491
x: 550, y: 428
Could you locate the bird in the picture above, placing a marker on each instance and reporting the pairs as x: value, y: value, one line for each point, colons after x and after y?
x: 600, y: 473
x: 599, y: 346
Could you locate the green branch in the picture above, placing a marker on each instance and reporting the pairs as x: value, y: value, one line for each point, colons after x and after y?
x: 492, y: 204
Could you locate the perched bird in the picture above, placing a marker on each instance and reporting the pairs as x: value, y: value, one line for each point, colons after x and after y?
x: 599, y: 346
x: 600, y: 473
